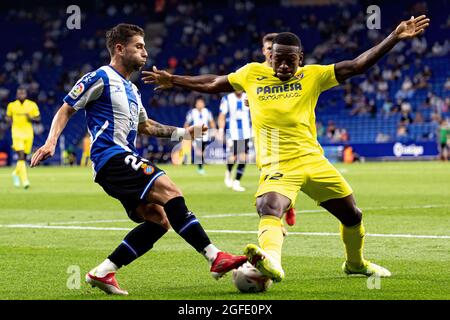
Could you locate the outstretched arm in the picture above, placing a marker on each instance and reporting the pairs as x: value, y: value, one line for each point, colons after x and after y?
x: 405, y: 30
x: 207, y: 83
x: 58, y: 124
x: 155, y: 129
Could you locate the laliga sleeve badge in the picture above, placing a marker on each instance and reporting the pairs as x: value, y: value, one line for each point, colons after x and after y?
x: 76, y: 90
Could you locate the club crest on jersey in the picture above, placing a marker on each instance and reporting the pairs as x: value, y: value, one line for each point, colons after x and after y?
x: 76, y: 90
x: 300, y: 76
x: 148, y: 169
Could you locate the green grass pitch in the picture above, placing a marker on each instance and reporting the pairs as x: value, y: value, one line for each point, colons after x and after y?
x: 65, y: 222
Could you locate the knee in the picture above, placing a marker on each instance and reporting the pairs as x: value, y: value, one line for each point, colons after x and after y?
x: 172, y: 191
x: 273, y: 208
x: 354, y: 218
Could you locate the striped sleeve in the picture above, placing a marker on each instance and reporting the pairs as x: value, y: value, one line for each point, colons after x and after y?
x: 87, y: 89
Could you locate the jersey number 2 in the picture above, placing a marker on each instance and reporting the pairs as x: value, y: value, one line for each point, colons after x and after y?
x: 130, y: 159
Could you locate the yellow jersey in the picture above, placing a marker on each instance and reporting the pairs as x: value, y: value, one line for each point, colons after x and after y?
x: 18, y: 111
x: 282, y: 113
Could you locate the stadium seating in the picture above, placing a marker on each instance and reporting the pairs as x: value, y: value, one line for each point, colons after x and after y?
x: 242, y: 23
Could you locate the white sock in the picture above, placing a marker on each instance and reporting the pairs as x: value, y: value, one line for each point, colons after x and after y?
x: 104, y: 268
x: 210, y: 253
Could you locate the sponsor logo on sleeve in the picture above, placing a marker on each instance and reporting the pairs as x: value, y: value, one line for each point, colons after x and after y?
x: 76, y: 90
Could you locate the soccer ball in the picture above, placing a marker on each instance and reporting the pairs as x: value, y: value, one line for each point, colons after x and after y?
x: 248, y: 279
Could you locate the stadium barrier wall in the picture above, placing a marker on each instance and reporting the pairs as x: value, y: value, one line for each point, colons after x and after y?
x: 385, y: 151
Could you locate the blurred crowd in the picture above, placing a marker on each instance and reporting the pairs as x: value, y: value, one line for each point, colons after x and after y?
x: 188, y: 37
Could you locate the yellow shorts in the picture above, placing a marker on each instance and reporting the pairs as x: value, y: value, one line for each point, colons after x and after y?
x: 22, y: 144
x: 313, y: 174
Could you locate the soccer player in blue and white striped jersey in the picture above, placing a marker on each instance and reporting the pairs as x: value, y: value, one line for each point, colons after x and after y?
x: 115, y: 115
x: 197, y: 116
x: 234, y: 118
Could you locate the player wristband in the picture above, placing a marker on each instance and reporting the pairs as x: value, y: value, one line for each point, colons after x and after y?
x: 179, y: 133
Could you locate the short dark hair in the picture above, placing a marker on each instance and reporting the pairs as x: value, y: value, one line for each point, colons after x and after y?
x: 288, y: 39
x: 199, y: 97
x: 121, y: 34
x: 269, y: 37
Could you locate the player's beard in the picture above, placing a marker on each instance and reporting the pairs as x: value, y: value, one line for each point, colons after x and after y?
x: 134, y: 65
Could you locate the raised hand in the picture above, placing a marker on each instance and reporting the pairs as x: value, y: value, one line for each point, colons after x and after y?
x: 412, y: 27
x: 162, y: 79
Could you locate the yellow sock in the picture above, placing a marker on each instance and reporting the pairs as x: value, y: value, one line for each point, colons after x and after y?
x: 353, y: 238
x: 21, y: 170
x: 270, y: 236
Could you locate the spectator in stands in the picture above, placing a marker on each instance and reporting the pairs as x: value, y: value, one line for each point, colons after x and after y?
x: 438, y: 50
x: 405, y: 106
x: 447, y: 85
x: 331, y: 129
x: 406, y: 91
x: 420, y: 81
x: 427, y: 73
x: 344, y: 135
x: 372, y: 108
x: 418, y: 117
x: 382, y: 89
x: 402, y: 132
x: 367, y: 85
x: 382, y: 137
x: 320, y: 129
x: 446, y: 105
x: 419, y: 46
x: 437, y: 104
x: 387, y: 107
x: 406, y: 118
x: 426, y: 105
x: 359, y: 103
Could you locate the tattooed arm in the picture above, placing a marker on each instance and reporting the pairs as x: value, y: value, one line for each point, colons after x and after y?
x: 153, y: 128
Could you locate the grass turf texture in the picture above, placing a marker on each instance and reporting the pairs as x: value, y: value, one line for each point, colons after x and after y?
x: 34, y: 262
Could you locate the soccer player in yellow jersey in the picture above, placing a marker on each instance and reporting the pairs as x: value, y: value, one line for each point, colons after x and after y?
x: 22, y: 113
x: 282, y: 101
x: 267, y: 42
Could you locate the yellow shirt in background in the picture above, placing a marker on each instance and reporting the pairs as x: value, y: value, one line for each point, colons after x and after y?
x: 18, y: 111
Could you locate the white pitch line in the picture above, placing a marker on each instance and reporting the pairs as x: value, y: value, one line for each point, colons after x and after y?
x: 40, y: 226
x: 34, y: 226
x: 88, y: 222
x: 253, y: 214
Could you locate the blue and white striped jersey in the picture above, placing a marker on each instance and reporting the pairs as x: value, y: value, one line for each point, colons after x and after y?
x: 113, y: 109
x: 194, y: 117
x: 238, y: 121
